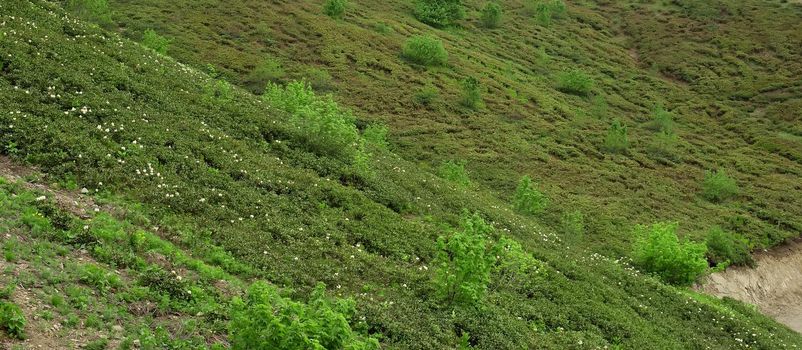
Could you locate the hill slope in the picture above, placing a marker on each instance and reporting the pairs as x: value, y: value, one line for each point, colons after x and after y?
x: 225, y: 185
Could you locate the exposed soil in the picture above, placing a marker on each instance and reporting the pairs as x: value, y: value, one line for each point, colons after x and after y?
x: 775, y: 286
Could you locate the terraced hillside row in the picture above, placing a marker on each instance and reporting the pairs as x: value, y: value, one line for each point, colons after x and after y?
x: 235, y: 194
x: 704, y: 62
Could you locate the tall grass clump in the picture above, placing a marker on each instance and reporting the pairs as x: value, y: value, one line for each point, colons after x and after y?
x: 528, y: 199
x: 727, y: 248
x: 425, y: 50
x: 153, y: 40
x: 265, y: 320
x: 658, y: 250
x: 439, y: 13
x: 575, y: 82
x: 616, y: 140
x: 319, y: 122
x: 717, y: 186
x: 335, y: 8
x: 491, y: 15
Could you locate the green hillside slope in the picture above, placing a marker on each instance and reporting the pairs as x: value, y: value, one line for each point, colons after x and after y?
x: 733, y: 92
x: 255, y: 201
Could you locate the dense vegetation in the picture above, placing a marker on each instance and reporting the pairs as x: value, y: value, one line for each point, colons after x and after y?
x: 228, y: 210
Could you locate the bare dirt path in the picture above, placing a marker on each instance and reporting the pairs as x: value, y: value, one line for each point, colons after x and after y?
x: 775, y: 286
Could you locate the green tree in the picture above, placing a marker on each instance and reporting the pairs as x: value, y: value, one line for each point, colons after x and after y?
x: 439, y: 13
x: 335, y: 8
x: 455, y: 172
x: 425, y: 50
x: 616, y: 140
x: 528, y: 199
x: 658, y: 250
x: 472, y: 93
x: 464, y: 262
x: 491, y: 15
x: 662, y: 120
x: 155, y: 41
x: 717, y: 186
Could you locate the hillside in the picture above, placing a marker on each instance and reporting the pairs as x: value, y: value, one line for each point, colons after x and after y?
x: 150, y: 203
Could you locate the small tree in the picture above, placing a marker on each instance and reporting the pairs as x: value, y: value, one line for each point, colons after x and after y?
x: 545, y: 11
x: 616, y: 140
x: 335, y: 8
x: 376, y: 135
x: 573, y: 223
x: 425, y: 50
x: 439, y: 13
x: 662, y: 120
x: 726, y: 248
x: 717, y: 186
x: 464, y: 262
x: 528, y: 199
x: 491, y: 15
x: 155, y: 41
x: 574, y: 82
x: 472, y: 93
x: 455, y: 172
x: 658, y: 250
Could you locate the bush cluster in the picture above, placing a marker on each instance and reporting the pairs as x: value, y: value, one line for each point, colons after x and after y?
x: 726, y: 248
x: 425, y: 50
x: 155, y: 41
x: 455, y: 172
x: 545, y: 11
x: 616, y: 140
x: 439, y: 13
x: 335, y: 8
x: 658, y: 250
x: 717, y: 186
x: 491, y: 15
x: 574, y: 82
x: 528, y: 199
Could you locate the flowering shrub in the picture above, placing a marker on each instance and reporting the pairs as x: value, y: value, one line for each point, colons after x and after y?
x: 267, y: 321
x: 658, y: 250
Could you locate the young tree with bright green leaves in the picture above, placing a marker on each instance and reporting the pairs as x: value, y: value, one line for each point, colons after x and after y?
x: 616, y: 140
x: 491, y: 15
x: 464, y: 262
x: 528, y: 199
x: 658, y: 250
x: 335, y: 8
x: 155, y: 41
x: 717, y: 186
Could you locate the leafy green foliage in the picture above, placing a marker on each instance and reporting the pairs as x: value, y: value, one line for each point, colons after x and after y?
x: 155, y: 41
x: 662, y: 120
x: 491, y: 15
x: 425, y: 50
x: 427, y: 95
x: 472, y: 93
x: 455, y: 172
x: 12, y: 320
x: 269, y: 70
x: 573, y: 223
x: 545, y: 11
x: 528, y: 199
x: 376, y: 135
x: 727, y: 248
x: 439, y: 13
x: 717, y: 186
x: 94, y: 10
x: 574, y: 82
x: 321, y: 124
x: 616, y: 140
x: 266, y: 321
x: 515, y: 268
x: 464, y: 262
x: 319, y: 79
x: 658, y: 250
x: 335, y: 8
x: 99, y: 278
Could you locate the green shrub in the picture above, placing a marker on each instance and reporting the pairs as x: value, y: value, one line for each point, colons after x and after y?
x: 335, y: 8
x: 574, y: 82
x: 616, y: 140
x: 545, y: 11
x: 662, y: 120
x: 514, y: 268
x: 319, y: 79
x: 267, y: 321
x: 99, y: 278
x: 93, y: 10
x: 321, y: 124
x: 664, y: 145
x: 376, y: 135
x: 658, y: 250
x: 427, y: 95
x: 439, y: 13
x: 717, y: 186
x: 463, y: 263
x: 528, y: 199
x: 472, y: 93
x: 726, y: 248
x: 425, y: 50
x: 269, y: 70
x: 383, y: 28
x: 12, y: 320
x: 573, y: 223
x: 455, y: 172
x: 491, y: 15
x: 155, y: 41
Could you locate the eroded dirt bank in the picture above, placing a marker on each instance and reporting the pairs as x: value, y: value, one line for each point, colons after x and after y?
x: 775, y: 286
